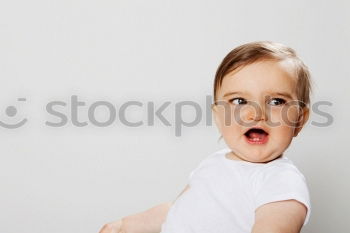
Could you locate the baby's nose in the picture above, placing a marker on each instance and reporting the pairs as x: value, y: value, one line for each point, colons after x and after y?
x: 256, y: 112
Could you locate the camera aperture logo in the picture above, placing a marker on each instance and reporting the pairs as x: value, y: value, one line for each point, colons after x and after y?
x: 11, y: 112
x: 183, y: 114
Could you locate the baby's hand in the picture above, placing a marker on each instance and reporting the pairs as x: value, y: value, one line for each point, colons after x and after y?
x: 112, y: 227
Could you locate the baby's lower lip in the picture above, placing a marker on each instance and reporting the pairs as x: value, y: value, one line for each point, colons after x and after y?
x: 257, y: 141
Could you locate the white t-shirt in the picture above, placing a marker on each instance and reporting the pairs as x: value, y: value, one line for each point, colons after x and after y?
x: 224, y: 194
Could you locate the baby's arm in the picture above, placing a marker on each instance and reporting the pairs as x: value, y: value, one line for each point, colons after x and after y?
x: 280, y: 217
x: 149, y: 221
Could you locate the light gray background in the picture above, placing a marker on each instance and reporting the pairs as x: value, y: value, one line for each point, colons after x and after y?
x: 74, y: 179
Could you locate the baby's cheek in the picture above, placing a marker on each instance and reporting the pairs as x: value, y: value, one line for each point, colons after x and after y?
x: 289, y: 115
x: 225, y: 117
x: 283, y: 117
x: 275, y: 119
x: 231, y: 129
x: 286, y: 130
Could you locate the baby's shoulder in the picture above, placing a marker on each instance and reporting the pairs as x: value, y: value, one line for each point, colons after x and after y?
x: 282, y: 163
x: 282, y: 167
x: 214, y: 156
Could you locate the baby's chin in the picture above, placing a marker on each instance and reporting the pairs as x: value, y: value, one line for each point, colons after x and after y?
x: 265, y: 159
x: 253, y: 158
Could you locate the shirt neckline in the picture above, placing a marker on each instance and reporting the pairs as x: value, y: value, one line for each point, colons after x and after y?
x: 227, y: 150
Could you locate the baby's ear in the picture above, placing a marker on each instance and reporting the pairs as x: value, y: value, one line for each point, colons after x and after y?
x: 303, y: 118
x: 215, y: 112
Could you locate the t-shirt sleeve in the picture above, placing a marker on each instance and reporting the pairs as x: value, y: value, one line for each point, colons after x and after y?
x: 196, y: 168
x: 278, y: 184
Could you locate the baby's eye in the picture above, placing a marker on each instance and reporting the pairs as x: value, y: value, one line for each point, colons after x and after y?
x: 277, y: 101
x: 238, y: 101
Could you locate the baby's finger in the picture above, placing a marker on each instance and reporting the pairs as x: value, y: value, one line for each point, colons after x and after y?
x: 113, y: 227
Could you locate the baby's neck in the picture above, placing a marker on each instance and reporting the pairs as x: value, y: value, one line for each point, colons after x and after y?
x: 233, y: 156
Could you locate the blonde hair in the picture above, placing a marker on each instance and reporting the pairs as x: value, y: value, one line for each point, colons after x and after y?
x: 265, y: 50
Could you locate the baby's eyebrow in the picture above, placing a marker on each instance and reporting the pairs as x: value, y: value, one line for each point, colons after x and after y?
x: 285, y: 94
x: 233, y: 93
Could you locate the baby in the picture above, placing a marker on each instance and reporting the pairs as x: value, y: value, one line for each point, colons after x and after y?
x: 261, y: 99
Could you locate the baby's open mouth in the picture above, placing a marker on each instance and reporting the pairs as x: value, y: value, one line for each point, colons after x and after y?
x: 256, y: 136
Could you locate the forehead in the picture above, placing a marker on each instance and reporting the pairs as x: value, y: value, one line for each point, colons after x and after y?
x: 261, y: 77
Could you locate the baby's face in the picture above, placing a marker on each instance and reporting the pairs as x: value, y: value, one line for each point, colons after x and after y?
x: 260, y: 95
